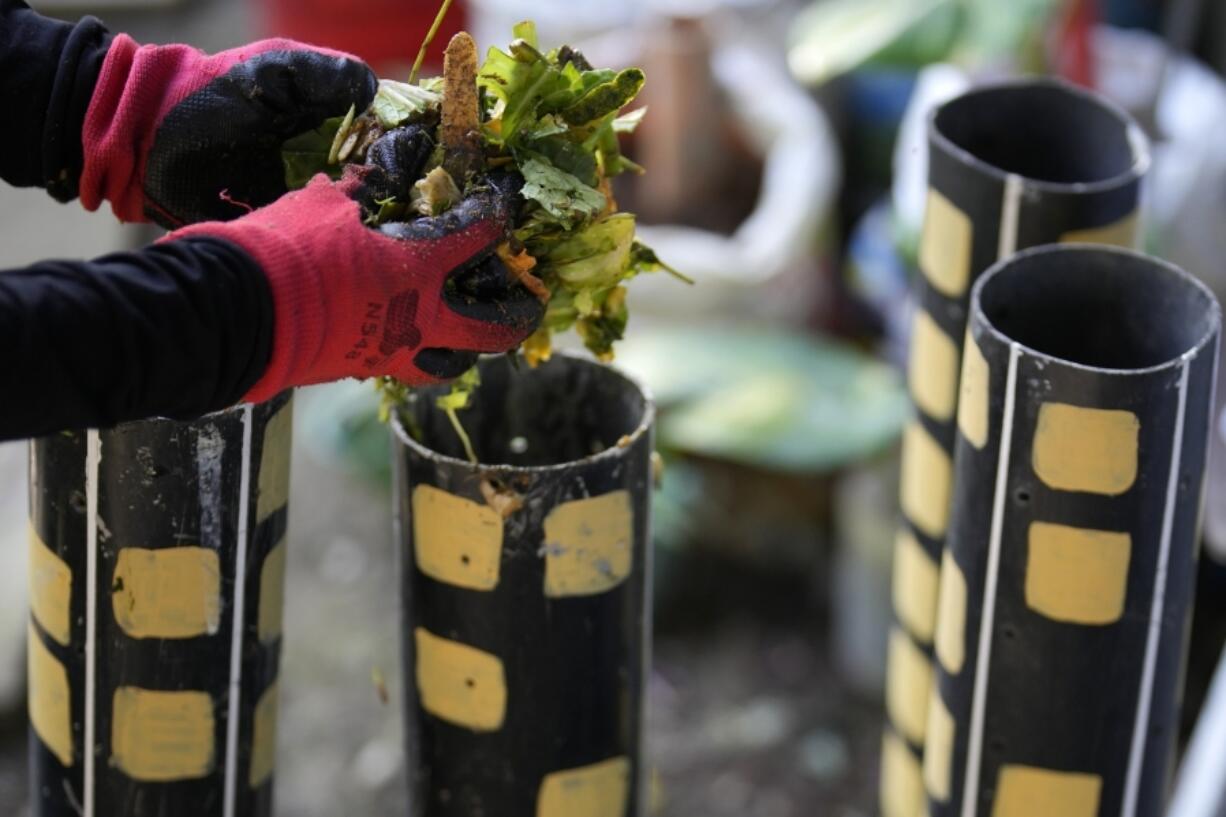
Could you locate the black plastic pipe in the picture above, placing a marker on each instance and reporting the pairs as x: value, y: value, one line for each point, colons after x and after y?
x: 525, y: 594
x: 1010, y: 166
x: 1065, y: 597
x: 157, y: 554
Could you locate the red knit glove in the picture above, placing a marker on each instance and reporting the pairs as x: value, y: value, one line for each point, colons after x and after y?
x: 176, y: 136
x: 415, y: 300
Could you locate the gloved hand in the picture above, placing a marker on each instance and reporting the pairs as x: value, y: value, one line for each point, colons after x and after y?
x: 176, y: 136
x: 415, y: 300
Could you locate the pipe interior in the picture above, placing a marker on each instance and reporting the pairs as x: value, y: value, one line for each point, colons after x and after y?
x: 1095, y: 307
x: 562, y: 411
x: 1043, y: 131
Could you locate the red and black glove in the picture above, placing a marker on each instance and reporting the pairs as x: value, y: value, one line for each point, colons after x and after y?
x: 415, y: 300
x: 176, y: 136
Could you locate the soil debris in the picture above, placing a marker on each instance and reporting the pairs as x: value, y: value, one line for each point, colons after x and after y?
x: 501, y: 498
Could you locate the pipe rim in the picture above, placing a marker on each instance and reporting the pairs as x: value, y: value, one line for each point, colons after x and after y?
x: 978, y: 317
x: 642, y: 429
x: 1138, y: 142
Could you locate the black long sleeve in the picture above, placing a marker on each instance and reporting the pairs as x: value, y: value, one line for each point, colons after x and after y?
x: 175, y: 330
x: 48, y: 70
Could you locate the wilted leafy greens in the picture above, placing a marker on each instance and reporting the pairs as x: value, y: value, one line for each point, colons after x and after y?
x: 556, y: 120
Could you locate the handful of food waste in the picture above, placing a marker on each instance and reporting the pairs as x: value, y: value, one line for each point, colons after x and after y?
x: 548, y: 116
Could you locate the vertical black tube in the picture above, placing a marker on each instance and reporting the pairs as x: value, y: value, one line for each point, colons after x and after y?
x: 146, y: 541
x: 1066, y: 593
x: 526, y: 623
x: 1010, y: 166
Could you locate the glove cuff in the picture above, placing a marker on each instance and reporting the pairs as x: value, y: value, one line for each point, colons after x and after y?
x: 134, y: 87
x: 300, y: 308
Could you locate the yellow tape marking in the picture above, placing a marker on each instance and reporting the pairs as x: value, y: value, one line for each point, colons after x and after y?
x: 589, y: 545
x: 915, y: 586
x: 926, y: 476
x: 264, y: 738
x: 460, y: 684
x: 274, y: 463
x: 50, y: 698
x: 167, y: 593
x: 932, y: 368
x: 908, y: 679
x: 598, y: 790
x: 1086, y: 449
x: 1077, y: 575
x: 902, y: 784
x: 50, y: 580
x: 272, y: 594
x: 951, y: 617
x: 945, y: 246
x: 973, y: 402
x: 160, y: 737
x: 1027, y: 791
x: 939, y: 748
x: 456, y: 540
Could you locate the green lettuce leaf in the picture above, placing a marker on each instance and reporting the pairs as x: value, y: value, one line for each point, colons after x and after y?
x: 596, y: 257
x: 561, y: 194
x: 607, y: 325
x: 461, y: 391
x: 396, y: 102
x: 518, y: 81
x: 526, y: 30
x: 307, y: 154
x: 644, y: 259
x: 566, y: 155
x: 606, y: 98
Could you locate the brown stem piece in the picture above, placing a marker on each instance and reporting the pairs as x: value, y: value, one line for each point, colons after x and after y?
x: 461, y: 126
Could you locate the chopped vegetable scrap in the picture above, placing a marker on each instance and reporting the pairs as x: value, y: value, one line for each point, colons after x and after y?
x: 554, y: 119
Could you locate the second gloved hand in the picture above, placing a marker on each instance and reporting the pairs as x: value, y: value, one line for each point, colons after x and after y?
x: 177, y: 136
x: 415, y: 300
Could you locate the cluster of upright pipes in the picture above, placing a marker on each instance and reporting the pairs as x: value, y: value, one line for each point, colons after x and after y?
x: 1051, y: 486
x: 157, y: 559
x: 1052, y: 474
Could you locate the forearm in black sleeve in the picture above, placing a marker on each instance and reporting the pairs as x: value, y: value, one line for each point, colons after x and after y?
x: 48, y: 70
x: 176, y: 330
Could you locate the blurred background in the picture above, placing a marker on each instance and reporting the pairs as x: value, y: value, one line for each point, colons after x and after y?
x: 786, y: 158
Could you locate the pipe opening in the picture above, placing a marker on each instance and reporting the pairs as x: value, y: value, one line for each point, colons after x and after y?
x: 1043, y: 131
x: 564, y: 410
x: 1096, y: 306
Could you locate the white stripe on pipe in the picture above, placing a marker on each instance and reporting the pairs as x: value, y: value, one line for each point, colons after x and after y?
x: 1136, y: 757
x: 974, y: 746
x: 93, y: 461
x: 1010, y: 208
x: 34, y: 481
x: 236, y: 632
x: 210, y: 452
